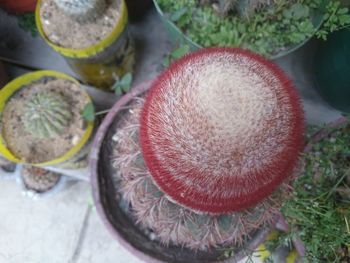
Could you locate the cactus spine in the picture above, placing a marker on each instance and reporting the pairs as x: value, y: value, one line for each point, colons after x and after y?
x: 172, y: 223
x: 47, y: 114
x: 82, y: 10
x: 208, y: 156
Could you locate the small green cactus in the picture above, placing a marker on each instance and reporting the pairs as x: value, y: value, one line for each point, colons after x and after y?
x: 82, y: 10
x: 46, y: 115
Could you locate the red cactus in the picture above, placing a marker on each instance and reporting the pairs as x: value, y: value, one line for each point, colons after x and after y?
x: 221, y: 129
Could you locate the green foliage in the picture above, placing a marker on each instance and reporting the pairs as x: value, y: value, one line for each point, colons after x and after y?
x: 47, y: 114
x: 176, y: 54
x: 335, y: 18
x: 123, y: 85
x: 320, y: 213
x: 89, y: 112
x: 27, y: 23
x: 269, y: 31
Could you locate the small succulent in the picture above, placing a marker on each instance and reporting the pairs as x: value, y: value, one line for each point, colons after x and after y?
x: 82, y: 10
x: 47, y: 114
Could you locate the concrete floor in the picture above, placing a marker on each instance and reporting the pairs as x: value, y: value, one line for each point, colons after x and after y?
x: 65, y: 228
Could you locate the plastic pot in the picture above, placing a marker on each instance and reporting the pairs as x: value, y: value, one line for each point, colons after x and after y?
x: 103, y: 63
x: 71, y: 159
x: 332, y: 67
x: 179, y: 38
x: 113, y: 216
x: 18, y: 6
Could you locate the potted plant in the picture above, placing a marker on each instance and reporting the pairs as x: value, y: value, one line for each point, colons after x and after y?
x: 165, y: 189
x: 331, y: 68
x: 91, y: 35
x: 318, y: 214
x: 42, y: 120
x: 37, y: 182
x: 271, y: 28
x: 18, y: 6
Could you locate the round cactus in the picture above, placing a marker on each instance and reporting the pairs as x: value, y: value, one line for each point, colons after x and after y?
x: 172, y: 223
x: 221, y: 129
x: 82, y: 9
x: 47, y: 114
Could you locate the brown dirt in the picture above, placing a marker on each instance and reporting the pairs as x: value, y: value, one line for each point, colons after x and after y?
x: 33, y: 150
x: 38, y: 179
x: 65, y: 31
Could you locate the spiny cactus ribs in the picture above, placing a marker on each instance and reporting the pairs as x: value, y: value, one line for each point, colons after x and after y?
x: 47, y: 114
x: 82, y: 9
x: 221, y: 129
x: 171, y: 222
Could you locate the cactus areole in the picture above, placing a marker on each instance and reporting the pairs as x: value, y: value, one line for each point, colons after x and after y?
x: 221, y: 129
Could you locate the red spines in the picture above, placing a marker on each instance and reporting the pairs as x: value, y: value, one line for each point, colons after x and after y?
x: 197, y: 164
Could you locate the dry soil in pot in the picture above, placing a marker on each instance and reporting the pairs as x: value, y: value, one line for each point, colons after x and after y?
x: 27, y: 146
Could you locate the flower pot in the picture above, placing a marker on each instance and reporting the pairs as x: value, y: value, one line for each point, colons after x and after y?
x: 57, y: 187
x: 18, y: 6
x: 331, y: 70
x: 76, y: 156
x: 103, y: 63
x: 112, y: 212
x: 180, y: 38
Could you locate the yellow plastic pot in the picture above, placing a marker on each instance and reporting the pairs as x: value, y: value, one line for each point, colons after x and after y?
x: 70, y: 158
x: 102, y: 64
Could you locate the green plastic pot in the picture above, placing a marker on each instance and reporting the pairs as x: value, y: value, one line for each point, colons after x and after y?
x: 332, y: 70
x: 178, y: 37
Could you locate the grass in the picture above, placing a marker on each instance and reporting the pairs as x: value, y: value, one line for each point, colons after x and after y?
x: 319, y: 213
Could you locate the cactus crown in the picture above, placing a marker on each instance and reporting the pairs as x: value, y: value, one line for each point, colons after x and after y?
x: 47, y: 114
x: 81, y: 8
x: 221, y: 129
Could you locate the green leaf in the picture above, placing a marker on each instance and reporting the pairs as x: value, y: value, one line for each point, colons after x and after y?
x: 89, y: 112
x: 123, y: 85
x: 179, y: 52
x: 178, y: 14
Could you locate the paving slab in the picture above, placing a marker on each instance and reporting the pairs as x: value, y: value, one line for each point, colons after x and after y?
x: 44, y: 230
x: 100, y: 247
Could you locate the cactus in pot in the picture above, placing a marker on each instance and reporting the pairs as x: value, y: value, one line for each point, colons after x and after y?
x: 207, y: 158
x: 82, y: 10
x: 47, y: 114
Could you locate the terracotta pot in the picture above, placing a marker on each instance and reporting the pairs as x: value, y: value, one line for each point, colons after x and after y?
x: 18, y: 6
x: 114, y: 218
